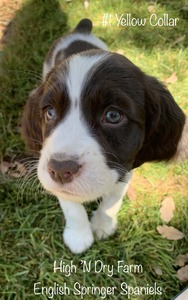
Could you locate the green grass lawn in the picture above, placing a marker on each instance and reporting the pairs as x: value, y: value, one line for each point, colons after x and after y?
x: 31, y: 221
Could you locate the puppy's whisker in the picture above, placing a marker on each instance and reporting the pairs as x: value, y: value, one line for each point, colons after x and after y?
x: 51, y: 85
x: 34, y: 152
x: 29, y: 73
x: 35, y: 140
x: 26, y: 180
x: 31, y: 172
x: 112, y: 154
x: 27, y: 159
x: 34, y: 182
x: 117, y: 166
x: 27, y: 183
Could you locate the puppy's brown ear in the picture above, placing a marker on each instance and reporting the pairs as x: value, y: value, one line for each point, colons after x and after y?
x: 31, y: 122
x: 164, y: 124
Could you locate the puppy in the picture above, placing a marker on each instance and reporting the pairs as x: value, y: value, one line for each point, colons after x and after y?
x: 94, y: 118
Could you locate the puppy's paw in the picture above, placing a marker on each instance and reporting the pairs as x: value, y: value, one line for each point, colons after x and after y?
x: 102, y: 225
x: 78, y: 240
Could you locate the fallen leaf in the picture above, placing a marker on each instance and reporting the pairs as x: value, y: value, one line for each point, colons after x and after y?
x: 170, y: 233
x: 4, y: 167
x: 13, y: 169
x: 182, y: 274
x: 181, y: 260
x: 178, y: 40
x: 131, y: 194
x: 167, y: 209
x: 172, y: 78
x: 141, y: 55
x: 185, y: 7
x: 18, y: 170
x: 151, y: 8
x: 21, y: 169
x: 86, y: 4
x: 141, y: 182
x: 15, y: 175
x: 120, y: 51
x: 158, y: 270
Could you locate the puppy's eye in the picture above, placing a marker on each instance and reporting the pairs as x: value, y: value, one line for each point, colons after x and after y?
x: 50, y: 114
x: 112, y: 117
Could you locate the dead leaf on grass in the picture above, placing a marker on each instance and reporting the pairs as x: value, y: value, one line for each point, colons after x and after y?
x: 131, y: 194
x: 185, y: 8
x: 181, y: 260
x: 179, y: 40
x: 182, y: 274
x: 167, y: 209
x: 172, y: 78
x: 170, y: 233
x: 151, y: 8
x: 18, y: 170
x: 12, y: 169
x: 158, y: 270
x: 5, y: 166
x: 120, y: 51
x: 86, y: 4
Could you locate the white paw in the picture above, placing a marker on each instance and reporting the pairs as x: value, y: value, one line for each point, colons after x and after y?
x: 78, y: 240
x: 102, y: 225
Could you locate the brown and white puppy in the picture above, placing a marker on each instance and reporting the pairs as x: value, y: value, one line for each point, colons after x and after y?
x: 94, y: 118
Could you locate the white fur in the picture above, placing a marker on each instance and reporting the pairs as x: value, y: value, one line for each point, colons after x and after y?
x: 65, y: 42
x: 77, y: 234
x: 104, y: 219
x: 182, y: 150
x: 79, y: 69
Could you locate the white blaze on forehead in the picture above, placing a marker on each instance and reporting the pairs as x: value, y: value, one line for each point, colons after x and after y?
x: 65, y: 42
x: 79, y: 69
x: 76, y: 37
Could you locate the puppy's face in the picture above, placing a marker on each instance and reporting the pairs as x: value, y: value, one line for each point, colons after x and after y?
x: 97, y: 117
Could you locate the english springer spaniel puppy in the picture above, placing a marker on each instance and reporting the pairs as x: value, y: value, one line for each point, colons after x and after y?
x: 94, y: 118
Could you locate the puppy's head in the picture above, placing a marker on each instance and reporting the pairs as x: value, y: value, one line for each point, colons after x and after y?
x: 96, y: 117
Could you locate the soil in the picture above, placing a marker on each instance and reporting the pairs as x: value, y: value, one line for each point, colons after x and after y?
x: 7, y: 11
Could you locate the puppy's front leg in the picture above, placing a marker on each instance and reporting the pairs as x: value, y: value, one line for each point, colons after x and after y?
x: 104, y: 219
x: 77, y: 235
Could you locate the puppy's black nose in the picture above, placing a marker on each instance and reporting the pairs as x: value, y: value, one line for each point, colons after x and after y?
x: 62, y: 171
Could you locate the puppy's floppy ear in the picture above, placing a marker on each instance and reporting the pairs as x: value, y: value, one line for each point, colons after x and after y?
x: 164, y: 124
x: 31, y: 122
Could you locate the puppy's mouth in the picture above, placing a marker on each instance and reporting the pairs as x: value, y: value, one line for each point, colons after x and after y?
x: 64, y: 189
x: 67, y: 192
x: 76, y: 178
x: 75, y: 190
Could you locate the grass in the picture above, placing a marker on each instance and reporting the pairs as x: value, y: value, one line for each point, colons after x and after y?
x: 31, y: 221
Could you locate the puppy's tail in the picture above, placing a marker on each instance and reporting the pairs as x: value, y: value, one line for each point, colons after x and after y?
x: 84, y: 26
